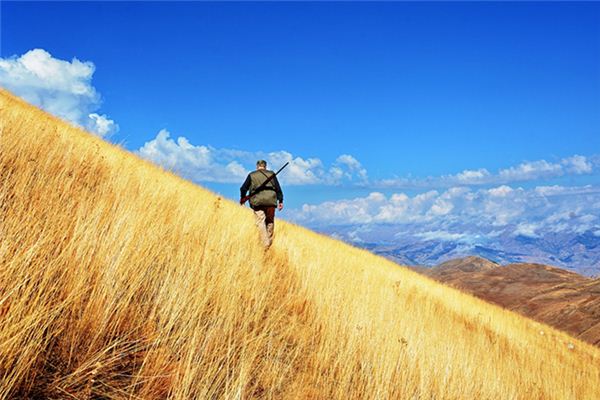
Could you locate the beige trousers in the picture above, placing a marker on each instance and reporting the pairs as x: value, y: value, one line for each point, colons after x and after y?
x: 265, y: 221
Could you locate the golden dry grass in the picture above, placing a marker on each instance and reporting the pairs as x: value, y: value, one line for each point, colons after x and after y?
x: 120, y: 280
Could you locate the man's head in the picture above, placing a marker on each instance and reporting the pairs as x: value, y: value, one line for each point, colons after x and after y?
x: 261, y: 164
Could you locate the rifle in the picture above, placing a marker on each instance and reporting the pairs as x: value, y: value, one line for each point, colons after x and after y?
x: 262, y: 185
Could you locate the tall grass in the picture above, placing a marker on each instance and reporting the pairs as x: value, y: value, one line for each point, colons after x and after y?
x: 121, y: 280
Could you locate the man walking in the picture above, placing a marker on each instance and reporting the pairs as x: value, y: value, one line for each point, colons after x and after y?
x: 264, y: 200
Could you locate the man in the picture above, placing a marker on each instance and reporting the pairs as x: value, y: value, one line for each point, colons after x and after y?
x: 264, y: 201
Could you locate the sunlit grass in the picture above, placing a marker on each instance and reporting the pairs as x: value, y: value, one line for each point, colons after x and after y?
x: 120, y: 280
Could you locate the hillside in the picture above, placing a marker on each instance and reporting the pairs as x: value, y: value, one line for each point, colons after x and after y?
x: 120, y: 280
x: 563, y: 299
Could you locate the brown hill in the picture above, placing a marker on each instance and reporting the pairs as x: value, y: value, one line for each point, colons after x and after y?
x: 563, y: 299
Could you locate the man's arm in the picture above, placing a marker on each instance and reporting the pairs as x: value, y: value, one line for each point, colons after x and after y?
x: 245, y: 187
x: 278, y: 191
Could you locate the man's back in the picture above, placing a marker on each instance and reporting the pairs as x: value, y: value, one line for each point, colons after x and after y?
x: 259, y: 177
x: 269, y: 195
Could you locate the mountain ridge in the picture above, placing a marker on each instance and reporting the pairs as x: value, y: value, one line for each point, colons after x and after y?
x: 558, y: 297
x: 576, y: 251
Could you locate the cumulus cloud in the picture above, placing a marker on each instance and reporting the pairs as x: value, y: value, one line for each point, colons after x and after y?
x: 353, y: 166
x: 525, y: 171
x: 500, y: 191
x: 577, y: 165
x: 526, y: 229
x: 202, y: 163
x: 301, y: 171
x: 525, y: 212
x: 373, y: 208
x: 63, y: 88
x: 473, y: 176
x: 193, y: 162
x: 531, y: 170
x: 101, y: 124
x: 355, y: 211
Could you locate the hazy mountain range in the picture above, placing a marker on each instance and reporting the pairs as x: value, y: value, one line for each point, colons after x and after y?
x: 575, y: 251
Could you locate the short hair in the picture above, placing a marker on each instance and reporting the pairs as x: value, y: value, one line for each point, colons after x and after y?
x: 261, y: 163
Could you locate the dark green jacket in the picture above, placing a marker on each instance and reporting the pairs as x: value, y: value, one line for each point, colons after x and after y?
x: 269, y: 195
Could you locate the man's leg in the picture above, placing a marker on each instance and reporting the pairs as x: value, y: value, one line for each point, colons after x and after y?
x: 262, y: 227
x: 270, y: 222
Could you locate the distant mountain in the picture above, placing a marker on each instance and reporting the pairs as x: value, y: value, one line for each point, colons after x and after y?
x: 563, y: 299
x: 577, y: 252
x: 466, y: 265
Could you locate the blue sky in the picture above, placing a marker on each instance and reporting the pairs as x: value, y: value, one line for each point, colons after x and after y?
x: 364, y: 97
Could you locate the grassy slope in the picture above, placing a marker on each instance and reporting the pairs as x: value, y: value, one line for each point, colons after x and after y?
x: 121, y: 280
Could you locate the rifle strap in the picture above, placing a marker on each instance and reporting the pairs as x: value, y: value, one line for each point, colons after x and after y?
x: 265, y: 187
x: 265, y: 175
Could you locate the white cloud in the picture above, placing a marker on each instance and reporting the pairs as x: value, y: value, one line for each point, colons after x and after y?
x: 557, y: 190
x: 577, y: 164
x: 355, y: 211
x: 440, y: 207
x: 101, y: 124
x: 301, y: 171
x: 485, y: 211
x: 500, y: 191
x: 549, y: 190
x: 353, y: 166
x: 526, y: 229
x: 443, y: 235
x: 374, y: 208
x: 63, y: 88
x: 194, y: 162
x: 202, y: 163
x: 526, y: 171
x: 473, y: 176
x: 530, y: 170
